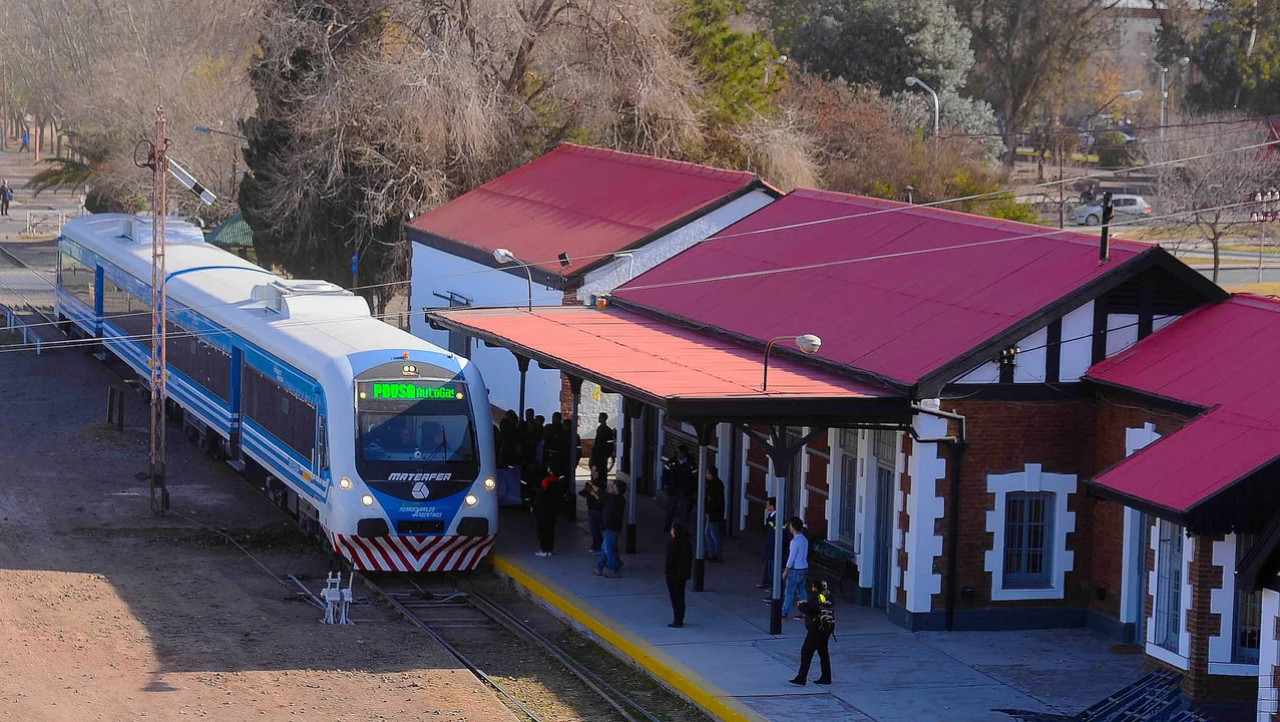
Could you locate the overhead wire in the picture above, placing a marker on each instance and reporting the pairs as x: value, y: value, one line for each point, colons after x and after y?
x: 841, y: 262
x: 852, y: 216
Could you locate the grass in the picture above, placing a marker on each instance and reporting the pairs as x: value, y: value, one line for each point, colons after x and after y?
x: 1260, y: 289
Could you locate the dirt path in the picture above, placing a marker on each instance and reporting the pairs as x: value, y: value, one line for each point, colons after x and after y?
x: 110, y: 613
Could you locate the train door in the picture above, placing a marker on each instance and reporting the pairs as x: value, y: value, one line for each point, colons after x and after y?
x: 233, y: 442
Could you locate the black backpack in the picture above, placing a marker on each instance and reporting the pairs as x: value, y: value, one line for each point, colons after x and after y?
x: 825, y: 622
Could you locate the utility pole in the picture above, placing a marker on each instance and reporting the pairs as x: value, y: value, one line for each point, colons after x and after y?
x: 159, y: 336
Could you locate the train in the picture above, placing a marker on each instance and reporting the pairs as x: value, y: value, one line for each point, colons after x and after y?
x: 373, y: 438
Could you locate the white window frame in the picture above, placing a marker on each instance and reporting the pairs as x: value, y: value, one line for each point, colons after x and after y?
x: 1032, y: 478
x: 1225, y: 602
x: 1177, y: 659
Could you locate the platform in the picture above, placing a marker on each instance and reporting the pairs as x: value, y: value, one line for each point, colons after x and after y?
x: 725, y: 660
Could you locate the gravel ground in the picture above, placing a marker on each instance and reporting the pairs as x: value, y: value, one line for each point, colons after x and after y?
x: 108, y: 612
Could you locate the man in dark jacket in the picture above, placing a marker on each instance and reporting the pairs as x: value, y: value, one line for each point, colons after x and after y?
x: 819, y: 624
x: 715, y: 514
x: 770, y: 532
x: 679, y: 569
x: 611, y: 516
x: 546, y: 505
x: 603, y: 448
x: 593, y: 493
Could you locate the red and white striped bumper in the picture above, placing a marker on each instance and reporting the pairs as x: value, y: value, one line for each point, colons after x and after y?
x: 412, y: 553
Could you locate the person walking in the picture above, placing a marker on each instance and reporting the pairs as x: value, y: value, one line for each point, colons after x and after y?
x: 615, y: 504
x: 819, y: 624
x: 796, y: 572
x: 603, y: 448
x: 770, y: 533
x: 545, y: 508
x: 6, y: 195
x: 715, y: 514
x: 679, y: 569
x: 593, y: 492
x: 26, y: 141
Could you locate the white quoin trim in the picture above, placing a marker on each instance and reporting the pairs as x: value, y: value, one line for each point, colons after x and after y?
x: 1061, y: 561
x: 924, y: 509
x: 834, y: 490
x: 1268, y: 656
x: 899, y: 503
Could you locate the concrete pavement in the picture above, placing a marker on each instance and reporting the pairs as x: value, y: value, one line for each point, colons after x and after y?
x: 725, y: 659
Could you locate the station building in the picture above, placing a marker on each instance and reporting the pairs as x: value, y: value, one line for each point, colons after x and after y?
x: 1006, y: 426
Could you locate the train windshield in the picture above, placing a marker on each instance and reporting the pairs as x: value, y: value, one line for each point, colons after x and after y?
x: 414, y: 426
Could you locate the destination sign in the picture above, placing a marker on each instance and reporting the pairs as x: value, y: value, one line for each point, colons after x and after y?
x: 406, y: 390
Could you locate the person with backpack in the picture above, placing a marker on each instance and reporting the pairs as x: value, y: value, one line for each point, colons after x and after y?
x: 820, y: 625
x: 546, y: 505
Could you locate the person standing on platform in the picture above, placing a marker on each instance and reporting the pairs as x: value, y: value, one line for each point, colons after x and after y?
x: 715, y: 514
x: 679, y: 569
x: 770, y: 533
x: 603, y: 449
x: 615, y: 504
x: 819, y: 624
x: 796, y: 572
x: 545, y: 510
x: 6, y: 196
x: 592, y: 492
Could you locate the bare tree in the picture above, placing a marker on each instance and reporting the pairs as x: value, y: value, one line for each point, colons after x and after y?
x: 1211, y: 193
x: 1024, y: 48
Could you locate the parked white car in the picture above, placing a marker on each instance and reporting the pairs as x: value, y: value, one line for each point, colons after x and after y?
x: 1126, y: 206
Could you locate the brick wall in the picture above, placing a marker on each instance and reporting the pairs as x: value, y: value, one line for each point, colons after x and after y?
x: 1114, y: 418
x: 1003, y: 438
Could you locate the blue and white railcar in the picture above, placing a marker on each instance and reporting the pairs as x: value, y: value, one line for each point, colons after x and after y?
x: 378, y: 437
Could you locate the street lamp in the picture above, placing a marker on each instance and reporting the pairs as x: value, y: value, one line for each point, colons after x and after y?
x: 807, y: 343
x: 503, y: 256
x: 913, y: 80
x: 234, y: 170
x: 1164, y: 86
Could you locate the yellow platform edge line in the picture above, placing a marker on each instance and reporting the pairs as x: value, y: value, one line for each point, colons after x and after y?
x: 698, y: 689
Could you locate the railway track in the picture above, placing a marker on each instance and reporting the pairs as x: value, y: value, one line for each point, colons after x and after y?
x: 472, y: 626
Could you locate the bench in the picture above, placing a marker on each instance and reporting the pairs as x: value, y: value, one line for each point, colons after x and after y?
x: 834, y: 565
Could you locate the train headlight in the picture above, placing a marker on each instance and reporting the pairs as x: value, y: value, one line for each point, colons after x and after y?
x: 367, y: 500
x: 490, y: 484
x: 345, y: 483
x: 471, y: 499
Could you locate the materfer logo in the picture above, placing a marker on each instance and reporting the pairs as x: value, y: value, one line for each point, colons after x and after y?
x: 433, y: 476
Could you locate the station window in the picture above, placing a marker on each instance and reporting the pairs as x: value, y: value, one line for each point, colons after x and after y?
x: 1168, y: 592
x: 1247, y: 638
x: 1027, y: 555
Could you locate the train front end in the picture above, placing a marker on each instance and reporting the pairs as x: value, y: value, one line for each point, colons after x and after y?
x: 419, y: 492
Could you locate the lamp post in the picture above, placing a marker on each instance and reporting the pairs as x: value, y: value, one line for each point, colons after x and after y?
x: 1164, y: 85
x: 234, y: 171
x: 913, y: 80
x: 807, y: 343
x: 503, y: 256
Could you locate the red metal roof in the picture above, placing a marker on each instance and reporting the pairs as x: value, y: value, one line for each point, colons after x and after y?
x: 896, y: 290
x: 649, y: 359
x: 587, y: 202
x: 1221, y: 357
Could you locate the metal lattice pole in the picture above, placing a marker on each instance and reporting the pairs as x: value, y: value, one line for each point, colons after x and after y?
x: 159, y: 392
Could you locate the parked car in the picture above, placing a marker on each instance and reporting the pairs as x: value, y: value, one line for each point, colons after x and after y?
x: 1126, y: 206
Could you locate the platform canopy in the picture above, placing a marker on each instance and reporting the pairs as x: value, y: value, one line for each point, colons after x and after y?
x: 693, y: 376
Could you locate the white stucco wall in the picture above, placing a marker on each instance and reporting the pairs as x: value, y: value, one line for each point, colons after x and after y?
x: 924, y: 509
x: 624, y: 268
x: 1268, y: 656
x: 435, y: 271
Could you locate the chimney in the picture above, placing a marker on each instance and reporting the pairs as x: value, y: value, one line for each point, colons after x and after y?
x: 1104, y: 250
